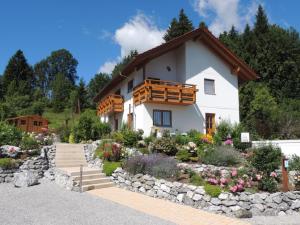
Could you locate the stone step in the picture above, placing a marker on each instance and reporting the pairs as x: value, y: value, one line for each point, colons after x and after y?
x: 89, y: 177
x: 62, y: 161
x: 97, y: 186
x: 88, y: 172
x: 70, y: 158
x: 96, y: 181
x: 62, y: 165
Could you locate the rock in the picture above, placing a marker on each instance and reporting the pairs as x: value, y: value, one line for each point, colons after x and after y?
x: 206, y: 198
x: 256, y: 199
x: 244, y: 197
x: 229, y: 202
x: 283, y: 206
x: 235, y: 208
x: 200, y: 190
x: 259, y: 206
x: 242, y: 213
x: 244, y: 205
x: 215, y: 201
x: 263, y: 196
x: 272, y: 205
x: 214, y: 208
x: 165, y: 188
x: 190, y: 194
x: 255, y: 212
x: 9, y: 151
x: 25, y: 179
x: 295, y: 205
x: 270, y: 212
x: 142, y: 189
x: 281, y: 213
x: 290, y: 195
x: 137, y: 184
x: 50, y: 174
x: 277, y: 199
x: 197, y: 197
x: 223, y: 196
x: 180, y: 197
x: 188, y: 201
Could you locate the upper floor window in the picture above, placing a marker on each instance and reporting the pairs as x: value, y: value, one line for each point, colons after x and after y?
x: 35, y: 123
x: 130, y: 86
x: 209, y: 87
x: 162, y: 118
x: 23, y: 122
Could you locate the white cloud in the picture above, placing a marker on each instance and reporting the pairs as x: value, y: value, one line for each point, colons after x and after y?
x: 107, y: 67
x: 225, y: 13
x: 139, y: 33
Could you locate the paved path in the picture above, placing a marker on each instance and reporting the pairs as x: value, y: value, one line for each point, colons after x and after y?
x: 176, y: 213
x: 48, y: 204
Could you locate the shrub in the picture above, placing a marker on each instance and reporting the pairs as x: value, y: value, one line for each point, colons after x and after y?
x: 149, y: 139
x: 64, y: 133
x: 7, y: 163
x: 117, y: 136
x: 221, y: 156
x: 89, y: 127
x: 196, y: 180
x: 236, y: 137
x: 212, y: 190
x: 108, y: 150
x: 9, y: 135
x: 110, y: 167
x: 29, y: 143
x: 266, y: 159
x: 131, y: 137
x: 268, y: 184
x: 165, y: 145
x: 183, y: 155
x: 294, y: 163
x: 156, y: 165
x: 224, y: 129
x: 181, y: 139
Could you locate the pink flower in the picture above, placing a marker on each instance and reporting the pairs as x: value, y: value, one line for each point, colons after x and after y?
x: 241, y: 182
x: 234, y: 189
x: 273, y: 174
x: 213, y: 181
x: 240, y: 187
x: 228, y: 142
x: 234, y: 172
x: 258, y: 176
x: 223, y: 181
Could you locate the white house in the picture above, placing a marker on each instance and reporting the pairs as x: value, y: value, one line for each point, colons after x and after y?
x: 190, y: 82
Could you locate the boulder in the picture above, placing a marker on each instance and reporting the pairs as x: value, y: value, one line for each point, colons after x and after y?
x: 25, y: 179
x: 242, y: 213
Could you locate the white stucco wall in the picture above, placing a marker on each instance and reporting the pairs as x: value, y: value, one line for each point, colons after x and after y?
x: 191, y: 64
x: 288, y: 147
x: 201, y: 63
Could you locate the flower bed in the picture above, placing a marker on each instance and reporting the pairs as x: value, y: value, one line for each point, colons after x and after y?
x: 239, y: 204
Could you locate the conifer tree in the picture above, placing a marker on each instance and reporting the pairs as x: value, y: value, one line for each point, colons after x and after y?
x: 261, y: 23
x: 179, y: 27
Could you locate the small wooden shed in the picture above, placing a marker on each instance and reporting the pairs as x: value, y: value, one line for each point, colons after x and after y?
x: 30, y: 123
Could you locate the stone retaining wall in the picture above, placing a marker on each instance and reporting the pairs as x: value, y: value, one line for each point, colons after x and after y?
x: 39, y: 165
x: 226, y: 203
x: 89, y: 151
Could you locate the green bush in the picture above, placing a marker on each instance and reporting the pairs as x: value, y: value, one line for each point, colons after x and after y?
x: 294, y: 163
x: 212, y: 190
x: 149, y: 139
x: 64, y: 133
x: 29, y: 143
x: 182, y: 140
x: 183, y: 155
x: 165, y: 145
x: 224, y: 129
x: 236, y: 138
x: 9, y: 134
x: 7, y: 163
x: 196, y: 180
x: 266, y: 159
x: 131, y: 137
x: 117, y: 136
x: 110, y: 167
x: 268, y: 184
x: 221, y: 156
x: 89, y: 127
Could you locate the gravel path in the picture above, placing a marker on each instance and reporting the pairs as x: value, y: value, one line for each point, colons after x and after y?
x: 47, y: 204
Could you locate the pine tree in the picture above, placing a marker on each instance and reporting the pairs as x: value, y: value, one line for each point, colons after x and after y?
x: 96, y: 84
x: 179, y: 27
x: 1, y: 88
x: 202, y: 24
x: 125, y: 61
x: 82, y: 96
x: 261, y: 24
x: 19, y: 72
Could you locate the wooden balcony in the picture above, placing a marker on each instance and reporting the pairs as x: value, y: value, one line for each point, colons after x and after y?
x: 111, y: 104
x: 164, y: 92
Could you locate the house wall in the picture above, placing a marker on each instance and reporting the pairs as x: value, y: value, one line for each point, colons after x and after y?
x: 288, y: 147
x: 191, y: 64
x: 201, y: 63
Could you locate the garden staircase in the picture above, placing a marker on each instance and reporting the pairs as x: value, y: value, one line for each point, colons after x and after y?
x: 69, y: 158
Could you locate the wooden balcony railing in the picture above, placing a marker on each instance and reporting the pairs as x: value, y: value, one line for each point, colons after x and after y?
x: 111, y: 103
x: 164, y: 92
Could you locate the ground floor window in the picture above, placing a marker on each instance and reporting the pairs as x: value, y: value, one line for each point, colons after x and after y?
x: 210, y: 123
x: 116, y: 124
x: 162, y: 118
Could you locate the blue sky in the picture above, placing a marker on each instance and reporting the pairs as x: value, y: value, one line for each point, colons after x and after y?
x: 99, y: 33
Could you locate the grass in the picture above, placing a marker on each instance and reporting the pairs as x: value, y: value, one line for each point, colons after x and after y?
x: 56, y: 120
x: 7, y: 163
x: 212, y: 190
x: 110, y: 167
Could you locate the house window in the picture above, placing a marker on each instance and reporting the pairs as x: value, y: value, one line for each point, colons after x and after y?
x: 162, y: 118
x: 209, y: 87
x: 210, y: 124
x: 130, y: 86
x: 23, y: 122
x: 40, y: 124
x: 35, y: 123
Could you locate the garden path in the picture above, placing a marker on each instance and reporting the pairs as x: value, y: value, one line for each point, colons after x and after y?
x: 173, y: 212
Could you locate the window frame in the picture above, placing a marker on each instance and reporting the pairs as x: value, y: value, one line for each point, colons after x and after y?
x: 162, y: 124
x: 129, y: 90
x: 214, y: 86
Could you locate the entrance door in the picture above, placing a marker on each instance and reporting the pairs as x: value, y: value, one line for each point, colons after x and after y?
x: 210, y: 123
x: 130, y: 120
x: 116, y: 124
